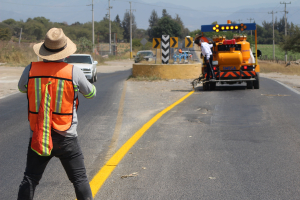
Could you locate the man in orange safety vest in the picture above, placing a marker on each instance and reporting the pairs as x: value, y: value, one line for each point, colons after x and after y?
x: 52, y: 87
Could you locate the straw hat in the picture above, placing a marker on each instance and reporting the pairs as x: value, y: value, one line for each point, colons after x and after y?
x: 197, y: 36
x: 56, y: 45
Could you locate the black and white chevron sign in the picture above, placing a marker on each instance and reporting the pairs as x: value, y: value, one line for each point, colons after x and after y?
x: 165, y: 47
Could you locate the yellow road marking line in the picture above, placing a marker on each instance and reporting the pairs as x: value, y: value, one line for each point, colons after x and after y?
x: 114, y: 139
x: 106, y: 170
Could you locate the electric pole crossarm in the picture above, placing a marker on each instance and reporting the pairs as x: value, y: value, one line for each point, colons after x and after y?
x: 285, y: 12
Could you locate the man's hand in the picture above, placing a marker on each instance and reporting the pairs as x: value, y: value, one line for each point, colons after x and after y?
x: 207, y: 61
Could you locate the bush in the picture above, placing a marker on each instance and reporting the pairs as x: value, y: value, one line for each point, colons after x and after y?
x: 84, y: 45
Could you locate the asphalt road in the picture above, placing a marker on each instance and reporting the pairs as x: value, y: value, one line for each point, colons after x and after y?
x: 97, y: 120
x: 227, y: 144
x: 231, y: 143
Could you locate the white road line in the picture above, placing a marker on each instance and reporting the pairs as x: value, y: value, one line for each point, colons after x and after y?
x: 9, y: 95
x: 288, y: 87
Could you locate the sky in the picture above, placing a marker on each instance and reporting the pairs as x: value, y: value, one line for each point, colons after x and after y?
x: 193, y: 13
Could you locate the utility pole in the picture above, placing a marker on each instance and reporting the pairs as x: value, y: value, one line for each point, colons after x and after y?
x: 285, y: 25
x: 273, y: 33
x: 20, y: 36
x: 93, y: 32
x: 239, y: 23
x: 93, y: 25
x: 130, y: 31
x: 130, y: 13
x: 250, y: 22
x: 109, y: 7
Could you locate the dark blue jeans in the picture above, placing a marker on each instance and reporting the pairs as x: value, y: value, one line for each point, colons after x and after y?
x: 67, y: 149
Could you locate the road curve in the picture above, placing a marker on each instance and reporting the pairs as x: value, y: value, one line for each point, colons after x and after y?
x: 231, y: 143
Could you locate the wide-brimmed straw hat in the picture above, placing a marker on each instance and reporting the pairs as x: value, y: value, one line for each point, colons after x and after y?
x: 56, y: 45
x: 197, y: 36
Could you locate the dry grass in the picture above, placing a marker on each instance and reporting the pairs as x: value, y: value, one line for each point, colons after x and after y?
x: 268, y: 67
x: 143, y: 78
x: 15, y: 55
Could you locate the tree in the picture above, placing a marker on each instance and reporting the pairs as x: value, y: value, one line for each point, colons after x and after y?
x: 34, y: 30
x: 76, y: 24
x: 5, y: 34
x: 118, y: 21
x: 166, y: 26
x: 84, y: 45
x: 193, y: 33
x: 292, y: 41
x: 126, y: 26
x: 102, y: 30
x: 9, y: 21
x: 141, y: 33
x: 184, y: 31
x: 165, y: 14
x: 153, y: 20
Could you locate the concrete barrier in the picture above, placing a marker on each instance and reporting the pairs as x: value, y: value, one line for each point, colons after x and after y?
x: 167, y: 71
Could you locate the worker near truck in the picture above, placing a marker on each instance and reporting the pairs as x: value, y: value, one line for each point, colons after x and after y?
x: 52, y: 88
x: 208, y: 56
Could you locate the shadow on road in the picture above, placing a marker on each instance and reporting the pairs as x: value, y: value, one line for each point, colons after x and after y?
x: 222, y: 88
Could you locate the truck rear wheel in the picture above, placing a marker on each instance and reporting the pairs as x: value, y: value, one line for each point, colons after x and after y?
x: 205, y: 86
x: 212, y: 85
x: 256, y: 82
x: 249, y: 84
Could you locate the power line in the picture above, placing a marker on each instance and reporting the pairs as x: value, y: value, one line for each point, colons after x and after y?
x: 20, y: 11
x: 187, y: 8
x: 41, y: 5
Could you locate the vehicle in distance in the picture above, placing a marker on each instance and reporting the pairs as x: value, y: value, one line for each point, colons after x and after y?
x: 188, y: 53
x: 86, y: 63
x: 144, y: 55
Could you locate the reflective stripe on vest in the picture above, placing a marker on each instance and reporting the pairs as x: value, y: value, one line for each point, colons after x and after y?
x: 38, y: 95
x: 63, y: 93
x: 46, y: 122
x: 59, y: 96
x: 41, y: 141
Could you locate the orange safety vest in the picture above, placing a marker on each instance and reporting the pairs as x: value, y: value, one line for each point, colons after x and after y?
x: 63, y: 93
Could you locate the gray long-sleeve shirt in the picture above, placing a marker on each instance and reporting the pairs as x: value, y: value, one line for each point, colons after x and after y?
x: 84, y: 87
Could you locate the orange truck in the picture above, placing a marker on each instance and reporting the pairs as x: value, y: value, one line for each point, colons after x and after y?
x: 233, y: 60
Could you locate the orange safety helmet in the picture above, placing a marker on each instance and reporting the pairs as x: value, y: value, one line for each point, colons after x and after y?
x: 180, y: 51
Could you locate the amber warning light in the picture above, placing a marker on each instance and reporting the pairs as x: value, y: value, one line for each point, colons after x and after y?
x: 232, y: 27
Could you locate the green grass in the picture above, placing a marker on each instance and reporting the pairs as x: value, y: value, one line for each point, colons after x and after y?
x: 267, y: 49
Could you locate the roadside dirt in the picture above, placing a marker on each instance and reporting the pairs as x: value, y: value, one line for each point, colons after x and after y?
x: 9, y: 77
